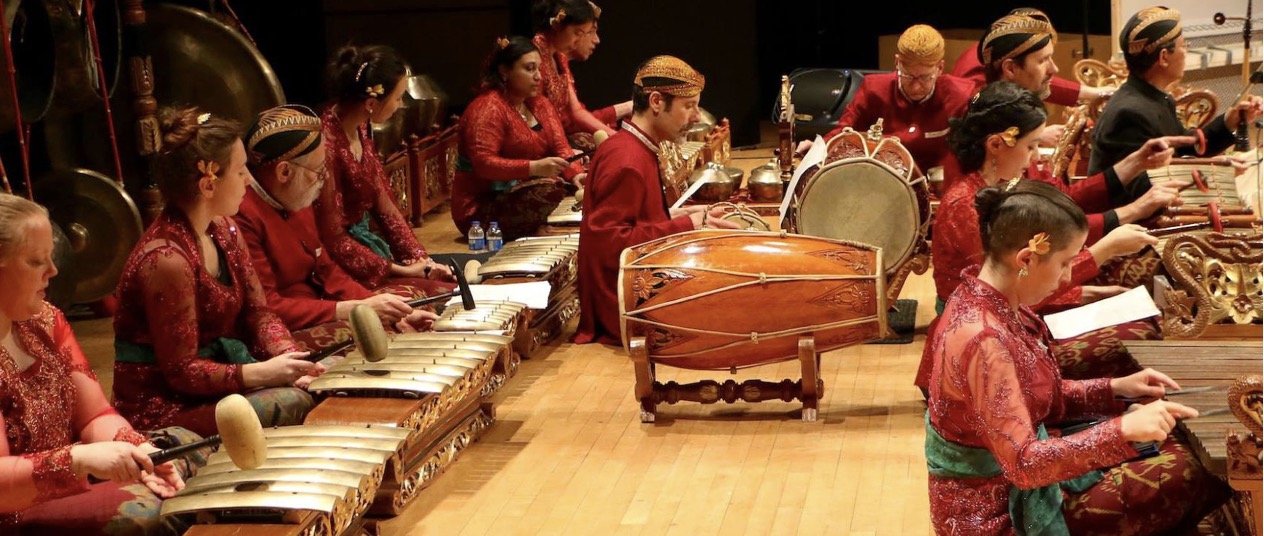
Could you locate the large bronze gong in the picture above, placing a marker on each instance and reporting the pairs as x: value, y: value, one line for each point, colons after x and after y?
x: 100, y: 222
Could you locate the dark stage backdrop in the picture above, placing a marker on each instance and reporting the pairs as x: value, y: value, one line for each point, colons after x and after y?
x: 742, y: 46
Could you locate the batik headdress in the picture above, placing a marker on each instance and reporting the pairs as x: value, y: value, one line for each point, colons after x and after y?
x: 670, y: 75
x: 1013, y: 36
x: 1150, y: 29
x: 283, y: 133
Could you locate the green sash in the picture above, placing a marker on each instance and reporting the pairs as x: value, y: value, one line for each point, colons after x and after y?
x: 223, y: 350
x: 1035, y: 512
x: 939, y: 306
x: 371, y: 240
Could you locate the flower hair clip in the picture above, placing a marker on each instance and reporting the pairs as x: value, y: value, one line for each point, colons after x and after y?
x: 1009, y: 136
x: 1039, y: 244
x: 558, y: 18
x: 209, y: 169
x: 375, y: 90
x: 502, y: 43
x: 203, y: 118
x: 1012, y: 183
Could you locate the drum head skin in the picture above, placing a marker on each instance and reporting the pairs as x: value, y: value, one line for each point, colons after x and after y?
x: 862, y: 201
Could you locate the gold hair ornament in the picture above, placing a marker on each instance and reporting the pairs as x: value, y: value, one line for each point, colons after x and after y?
x: 209, y: 169
x: 202, y: 118
x: 558, y: 18
x: 1012, y: 183
x: 501, y: 43
x: 1009, y: 136
x: 360, y: 71
x: 596, y: 10
x: 375, y: 90
x: 1039, y: 244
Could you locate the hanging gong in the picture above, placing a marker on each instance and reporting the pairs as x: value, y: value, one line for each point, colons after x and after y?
x: 34, y: 62
x: 61, y: 288
x: 101, y: 224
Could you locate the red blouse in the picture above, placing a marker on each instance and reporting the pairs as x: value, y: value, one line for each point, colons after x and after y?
x: 558, y: 86
x: 957, y: 245
x: 44, y: 410
x: 168, y: 301
x: 355, y: 188
x: 1062, y: 92
x: 994, y: 380
x: 303, y: 285
x: 499, y: 146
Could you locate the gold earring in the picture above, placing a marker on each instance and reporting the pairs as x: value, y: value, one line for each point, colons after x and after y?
x: 995, y: 171
x: 1022, y: 272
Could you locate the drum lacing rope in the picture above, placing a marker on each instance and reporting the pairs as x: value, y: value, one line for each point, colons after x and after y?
x: 761, y: 281
x: 742, y: 338
x: 754, y: 336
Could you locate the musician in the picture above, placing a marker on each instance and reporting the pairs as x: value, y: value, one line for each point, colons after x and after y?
x: 367, y: 85
x: 1011, y: 57
x: 562, y: 27
x: 303, y: 285
x: 515, y: 147
x: 624, y: 203
x: 996, y: 390
x: 995, y: 141
x: 59, y: 426
x: 1155, y: 50
x: 609, y: 115
x: 192, y: 316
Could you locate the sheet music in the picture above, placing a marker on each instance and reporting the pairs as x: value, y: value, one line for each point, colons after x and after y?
x: 815, y: 156
x: 1132, y: 305
x: 688, y: 194
x: 534, y: 294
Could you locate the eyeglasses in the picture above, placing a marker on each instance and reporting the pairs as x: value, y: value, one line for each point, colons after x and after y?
x: 320, y: 173
x: 921, y: 79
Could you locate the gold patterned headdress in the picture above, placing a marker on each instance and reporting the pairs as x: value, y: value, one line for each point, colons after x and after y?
x: 283, y: 133
x: 921, y: 44
x: 1035, y: 31
x: 670, y: 75
x: 1160, y: 24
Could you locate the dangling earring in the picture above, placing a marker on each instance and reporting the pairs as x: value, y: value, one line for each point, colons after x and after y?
x: 995, y: 171
x: 1022, y: 272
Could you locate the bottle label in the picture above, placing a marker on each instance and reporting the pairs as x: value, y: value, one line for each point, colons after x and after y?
x: 478, y: 244
x: 494, y: 244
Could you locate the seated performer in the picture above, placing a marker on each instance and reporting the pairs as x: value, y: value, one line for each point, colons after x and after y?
x: 995, y: 390
x: 1154, y: 49
x: 972, y: 66
x: 609, y: 115
x: 306, y: 289
x: 562, y: 26
x: 191, y: 314
x: 59, y: 428
x: 515, y: 148
x: 367, y: 84
x: 915, y: 102
x: 995, y: 141
x: 624, y: 203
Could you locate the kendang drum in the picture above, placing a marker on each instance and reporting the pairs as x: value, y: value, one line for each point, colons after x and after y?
x: 867, y: 191
x: 723, y: 300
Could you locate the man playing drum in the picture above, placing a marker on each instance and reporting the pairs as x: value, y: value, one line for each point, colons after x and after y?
x: 915, y: 102
x: 624, y: 203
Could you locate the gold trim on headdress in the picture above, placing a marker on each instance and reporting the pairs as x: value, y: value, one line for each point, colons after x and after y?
x: 558, y: 18
x: 284, y: 119
x: 1016, y: 25
x: 687, y: 82
x: 921, y: 43
x: 1009, y: 136
x: 1149, y: 16
x: 1039, y: 244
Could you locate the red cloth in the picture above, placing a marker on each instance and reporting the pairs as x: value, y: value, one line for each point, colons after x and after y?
x: 993, y: 382
x: 302, y: 283
x: 44, y: 409
x: 607, y: 116
x: 558, y: 86
x: 922, y: 127
x: 355, y: 188
x: 499, y: 146
x: 167, y: 300
x: 1061, y: 91
x: 1091, y: 194
x: 623, y: 206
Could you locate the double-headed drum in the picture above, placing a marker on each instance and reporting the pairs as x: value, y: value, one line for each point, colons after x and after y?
x: 717, y: 300
x: 866, y: 191
x: 552, y: 259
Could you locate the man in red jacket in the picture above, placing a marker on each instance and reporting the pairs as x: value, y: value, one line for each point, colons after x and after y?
x: 303, y: 285
x: 624, y: 203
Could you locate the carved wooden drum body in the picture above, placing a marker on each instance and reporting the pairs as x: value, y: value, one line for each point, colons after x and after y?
x: 716, y: 300
x: 867, y: 191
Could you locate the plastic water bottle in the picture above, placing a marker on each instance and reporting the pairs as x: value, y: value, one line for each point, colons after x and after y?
x: 477, y: 240
x: 495, y: 238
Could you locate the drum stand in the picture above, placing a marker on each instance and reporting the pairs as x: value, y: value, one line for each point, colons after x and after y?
x: 650, y: 393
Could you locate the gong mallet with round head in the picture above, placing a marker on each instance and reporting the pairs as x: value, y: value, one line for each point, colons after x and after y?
x: 240, y: 433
